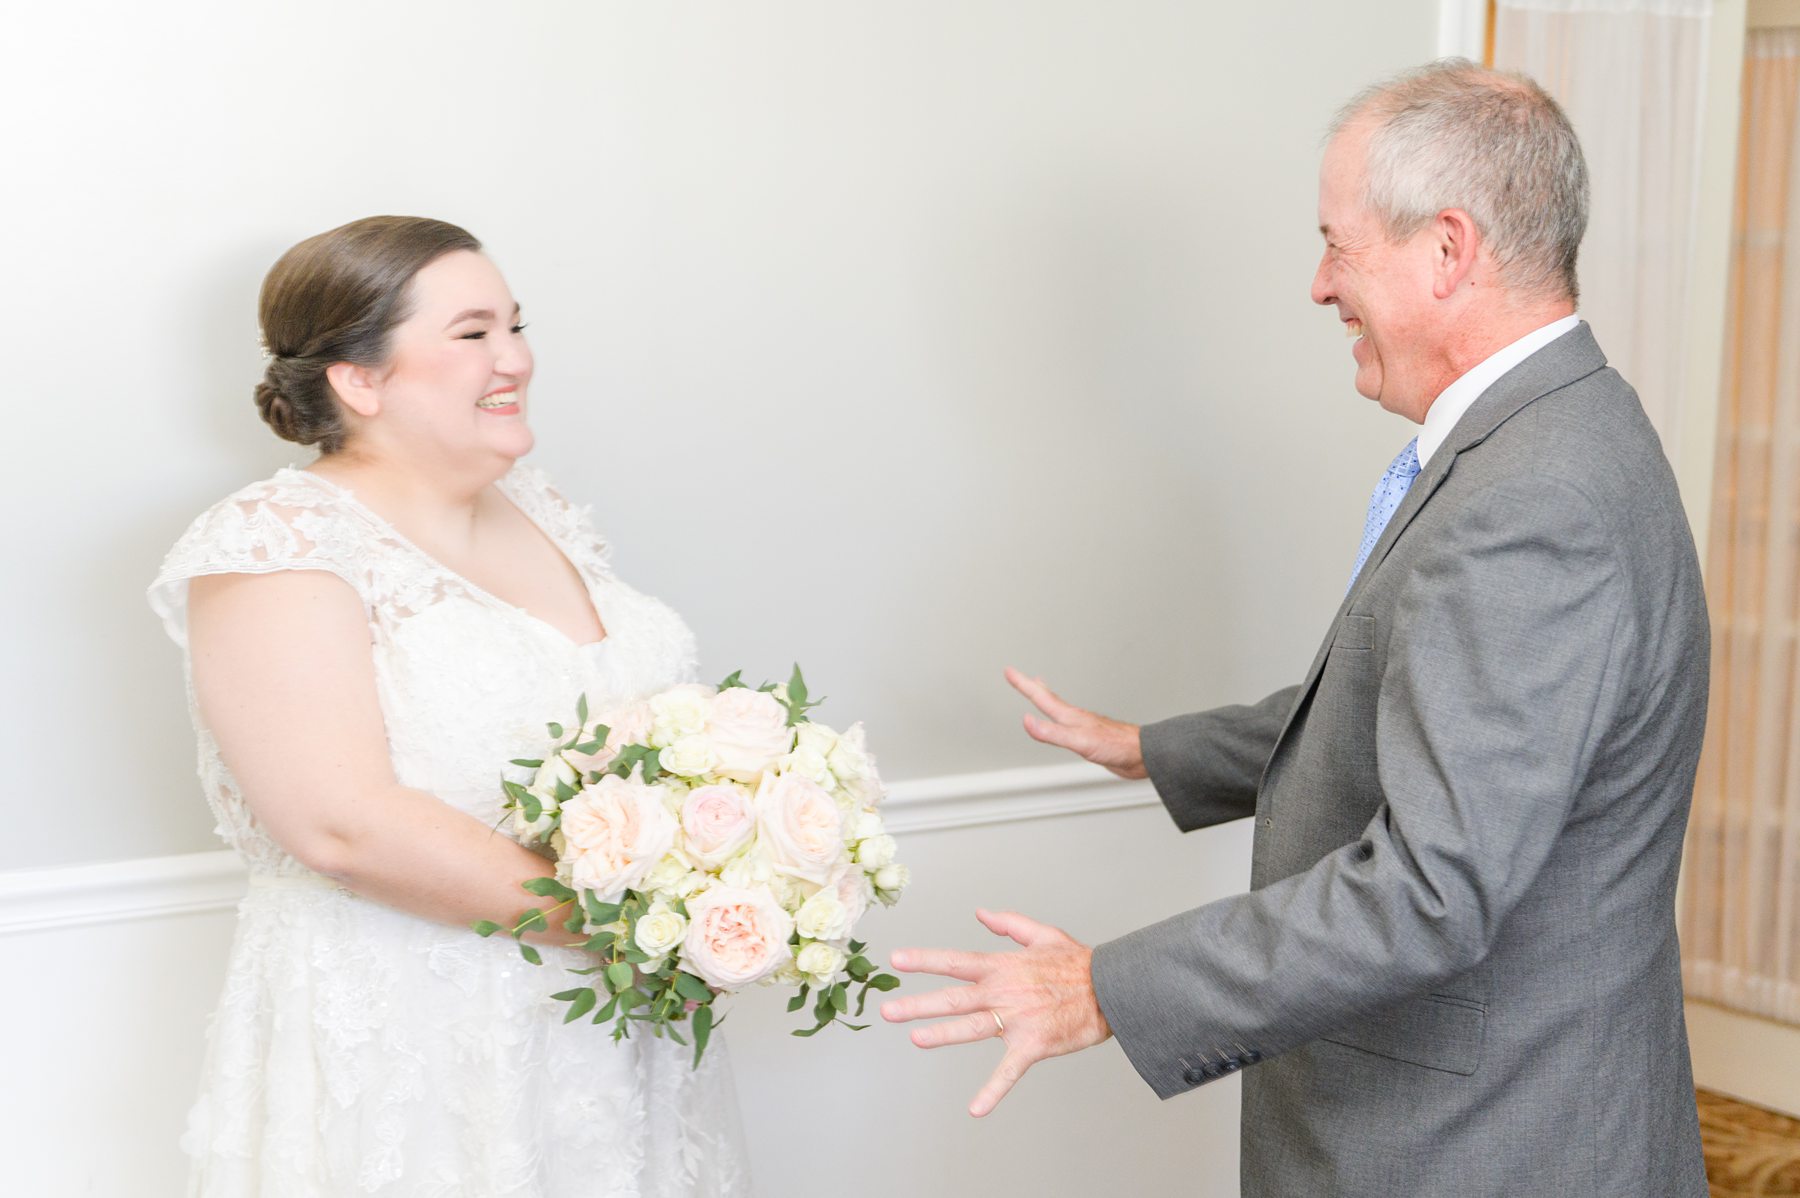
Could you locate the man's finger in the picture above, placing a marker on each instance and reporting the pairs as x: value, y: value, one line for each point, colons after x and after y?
x: 952, y: 1000
x: 1006, y: 1075
x: 1060, y: 735
x: 948, y: 963
x: 1022, y: 929
x: 966, y: 1029
x: 1041, y: 696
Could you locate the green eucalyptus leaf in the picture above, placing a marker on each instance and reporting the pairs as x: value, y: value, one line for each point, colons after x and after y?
x: 692, y: 988
x: 581, y: 709
x: 530, y: 954
x: 485, y: 927
x: 799, y: 1000
x: 619, y: 975
x: 810, y: 1031
x: 840, y: 997
x: 734, y: 679
x: 598, y: 911
x: 584, y: 1002
x: 530, y: 763
x: 703, y: 1026
x: 885, y: 981
x: 549, y: 888
x: 555, y: 729
x: 531, y: 921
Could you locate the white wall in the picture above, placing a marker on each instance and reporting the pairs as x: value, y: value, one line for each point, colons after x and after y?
x: 1001, y: 308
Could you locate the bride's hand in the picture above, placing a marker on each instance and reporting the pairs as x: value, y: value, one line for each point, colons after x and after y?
x: 1108, y: 742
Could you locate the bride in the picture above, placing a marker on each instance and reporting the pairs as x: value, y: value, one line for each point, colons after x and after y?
x: 367, y: 640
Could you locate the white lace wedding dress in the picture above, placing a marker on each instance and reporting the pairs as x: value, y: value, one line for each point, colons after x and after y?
x: 358, y: 1050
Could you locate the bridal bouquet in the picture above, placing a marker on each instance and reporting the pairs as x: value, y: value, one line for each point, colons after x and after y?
x: 707, y: 839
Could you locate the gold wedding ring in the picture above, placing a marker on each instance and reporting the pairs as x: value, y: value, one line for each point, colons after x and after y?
x: 999, y: 1024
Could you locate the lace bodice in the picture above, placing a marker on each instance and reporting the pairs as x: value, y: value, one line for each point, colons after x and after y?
x: 360, y: 1050
x: 466, y: 680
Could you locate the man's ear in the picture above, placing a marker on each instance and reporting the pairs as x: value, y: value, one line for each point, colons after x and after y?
x: 1457, y: 248
x: 356, y: 386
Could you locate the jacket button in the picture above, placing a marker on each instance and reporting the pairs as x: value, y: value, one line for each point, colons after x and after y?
x: 1267, y: 821
x: 1230, y: 1065
x: 1252, y: 1057
x: 1193, y: 1077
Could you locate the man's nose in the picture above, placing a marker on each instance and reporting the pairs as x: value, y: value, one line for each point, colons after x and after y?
x: 1322, y: 292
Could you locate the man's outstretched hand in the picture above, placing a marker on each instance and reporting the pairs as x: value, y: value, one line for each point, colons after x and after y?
x: 1111, y: 743
x: 1043, y: 996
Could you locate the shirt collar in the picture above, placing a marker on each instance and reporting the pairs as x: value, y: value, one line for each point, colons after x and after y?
x: 1457, y: 398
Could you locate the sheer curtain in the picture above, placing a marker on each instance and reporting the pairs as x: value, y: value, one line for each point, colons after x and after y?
x: 1629, y: 74
x: 1740, y: 917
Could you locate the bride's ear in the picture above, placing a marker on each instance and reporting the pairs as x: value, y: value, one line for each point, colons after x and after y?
x: 356, y: 387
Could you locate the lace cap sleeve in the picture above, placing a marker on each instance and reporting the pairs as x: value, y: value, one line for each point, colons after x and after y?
x: 572, y: 527
x: 283, y: 523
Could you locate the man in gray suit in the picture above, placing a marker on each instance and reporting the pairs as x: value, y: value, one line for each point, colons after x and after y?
x: 1456, y: 972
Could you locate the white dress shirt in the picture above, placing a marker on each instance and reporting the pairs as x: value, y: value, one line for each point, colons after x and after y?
x: 1455, y: 399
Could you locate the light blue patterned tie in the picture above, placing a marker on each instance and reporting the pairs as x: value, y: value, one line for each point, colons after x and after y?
x: 1388, y: 493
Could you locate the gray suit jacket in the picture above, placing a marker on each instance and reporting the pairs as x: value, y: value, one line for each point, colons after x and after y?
x: 1456, y: 972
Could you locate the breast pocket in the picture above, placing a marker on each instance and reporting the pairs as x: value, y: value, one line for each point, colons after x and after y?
x: 1437, y: 1032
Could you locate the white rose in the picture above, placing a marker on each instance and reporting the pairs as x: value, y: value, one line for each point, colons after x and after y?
x: 669, y: 872
x: 800, y: 827
x: 890, y: 880
x: 556, y: 769
x: 717, y: 821
x: 614, y: 833
x: 747, y: 870
x: 692, y: 884
x: 735, y: 937
x: 748, y: 731
x: 530, y: 831
x: 808, y: 763
x: 822, y: 917
x: 690, y: 757
x: 678, y: 712
x: 659, y: 930
x: 849, y: 757
x: 820, y: 962
x: 868, y: 824
x: 876, y: 851
x: 816, y: 738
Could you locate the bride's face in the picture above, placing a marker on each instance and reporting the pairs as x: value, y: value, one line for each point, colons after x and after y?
x: 454, y: 386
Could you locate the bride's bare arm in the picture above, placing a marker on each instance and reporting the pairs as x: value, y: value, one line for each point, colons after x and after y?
x: 285, y: 681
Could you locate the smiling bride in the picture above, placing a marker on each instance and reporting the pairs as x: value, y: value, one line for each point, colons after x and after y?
x: 364, y: 638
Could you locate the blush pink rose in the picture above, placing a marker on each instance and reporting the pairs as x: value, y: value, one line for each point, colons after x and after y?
x: 628, y: 724
x: 748, y: 730
x: 735, y: 936
x: 614, y: 833
x: 800, y: 826
x: 717, y: 821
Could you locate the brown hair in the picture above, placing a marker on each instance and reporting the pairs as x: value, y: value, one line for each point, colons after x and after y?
x: 336, y: 298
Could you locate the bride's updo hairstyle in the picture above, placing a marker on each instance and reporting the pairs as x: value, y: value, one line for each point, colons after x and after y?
x: 337, y: 298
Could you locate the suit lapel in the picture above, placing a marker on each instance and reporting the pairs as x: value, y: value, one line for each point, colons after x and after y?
x: 1571, y: 357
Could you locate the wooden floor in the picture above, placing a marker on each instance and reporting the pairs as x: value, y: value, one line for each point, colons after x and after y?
x: 1750, y: 1152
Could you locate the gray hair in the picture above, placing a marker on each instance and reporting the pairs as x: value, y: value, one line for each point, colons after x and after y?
x: 1455, y: 135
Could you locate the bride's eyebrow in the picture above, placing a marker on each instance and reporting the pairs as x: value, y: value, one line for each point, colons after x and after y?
x: 478, y: 314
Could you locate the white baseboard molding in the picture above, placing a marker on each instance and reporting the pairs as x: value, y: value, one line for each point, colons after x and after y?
x: 36, y: 900
x: 1750, y: 1058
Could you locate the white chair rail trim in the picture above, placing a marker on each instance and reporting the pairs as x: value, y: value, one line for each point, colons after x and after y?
x: 36, y: 900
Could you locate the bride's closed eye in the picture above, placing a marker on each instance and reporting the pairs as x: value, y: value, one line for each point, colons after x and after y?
x: 480, y: 333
